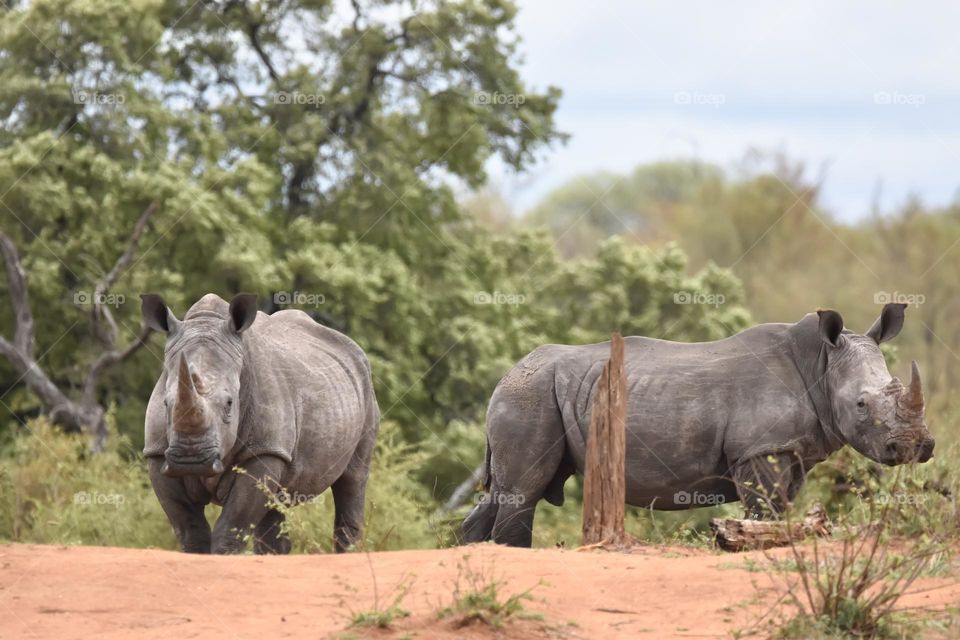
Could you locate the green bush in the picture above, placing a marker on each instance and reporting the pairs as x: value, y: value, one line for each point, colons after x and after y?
x: 52, y: 490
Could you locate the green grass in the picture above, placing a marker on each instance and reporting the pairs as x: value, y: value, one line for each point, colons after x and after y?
x: 381, y: 618
x: 478, y: 598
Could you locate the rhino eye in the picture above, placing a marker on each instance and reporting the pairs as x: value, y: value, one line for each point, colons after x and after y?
x: 861, y: 403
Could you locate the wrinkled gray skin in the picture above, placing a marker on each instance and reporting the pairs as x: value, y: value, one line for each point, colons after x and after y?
x: 743, y: 418
x: 283, y: 398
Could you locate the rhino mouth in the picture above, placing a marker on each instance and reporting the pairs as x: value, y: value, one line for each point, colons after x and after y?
x: 904, y: 451
x: 203, y: 463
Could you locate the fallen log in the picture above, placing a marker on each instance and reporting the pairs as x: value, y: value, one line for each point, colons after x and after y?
x: 732, y: 534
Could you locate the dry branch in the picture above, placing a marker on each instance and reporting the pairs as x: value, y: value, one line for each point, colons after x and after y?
x: 742, y: 535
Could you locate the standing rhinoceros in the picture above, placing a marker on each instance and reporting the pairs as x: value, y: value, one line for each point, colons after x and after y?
x: 741, y: 418
x: 289, y: 401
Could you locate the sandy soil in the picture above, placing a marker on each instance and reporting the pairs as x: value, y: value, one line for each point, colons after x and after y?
x: 81, y: 592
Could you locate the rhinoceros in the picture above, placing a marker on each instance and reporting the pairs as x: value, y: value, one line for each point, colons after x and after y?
x: 744, y: 418
x: 287, y: 401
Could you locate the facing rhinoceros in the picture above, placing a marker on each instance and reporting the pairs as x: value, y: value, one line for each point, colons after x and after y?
x: 287, y: 400
x: 743, y: 418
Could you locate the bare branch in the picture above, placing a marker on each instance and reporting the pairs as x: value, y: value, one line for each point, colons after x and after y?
x: 102, y: 287
x: 108, y: 359
x: 86, y: 414
x: 253, y: 35
x: 23, y: 337
x: 54, y: 402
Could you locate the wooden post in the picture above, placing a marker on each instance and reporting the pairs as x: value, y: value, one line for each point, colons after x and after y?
x: 604, y: 488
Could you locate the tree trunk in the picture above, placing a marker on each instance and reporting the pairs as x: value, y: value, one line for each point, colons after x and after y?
x: 604, y: 488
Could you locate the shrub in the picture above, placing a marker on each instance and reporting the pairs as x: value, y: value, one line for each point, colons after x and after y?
x: 850, y: 587
x: 478, y: 597
x: 53, y: 490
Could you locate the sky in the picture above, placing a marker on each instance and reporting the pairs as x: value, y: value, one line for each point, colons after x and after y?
x: 869, y: 91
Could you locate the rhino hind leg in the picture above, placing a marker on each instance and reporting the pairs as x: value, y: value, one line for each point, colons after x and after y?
x: 269, y: 537
x: 478, y: 526
x: 525, y: 467
x: 768, y: 484
x: 349, y: 492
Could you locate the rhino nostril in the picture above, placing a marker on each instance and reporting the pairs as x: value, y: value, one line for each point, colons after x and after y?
x: 893, y: 452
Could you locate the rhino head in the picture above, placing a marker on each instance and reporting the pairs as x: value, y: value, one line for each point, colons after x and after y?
x: 202, y: 364
x: 873, y: 411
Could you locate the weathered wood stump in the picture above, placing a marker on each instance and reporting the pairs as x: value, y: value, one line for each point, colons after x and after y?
x: 604, y: 485
x: 743, y: 535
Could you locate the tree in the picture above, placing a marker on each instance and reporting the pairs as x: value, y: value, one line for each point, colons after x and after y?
x: 273, y: 139
x: 85, y: 413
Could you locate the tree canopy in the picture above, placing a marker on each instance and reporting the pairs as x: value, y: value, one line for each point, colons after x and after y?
x: 311, y: 156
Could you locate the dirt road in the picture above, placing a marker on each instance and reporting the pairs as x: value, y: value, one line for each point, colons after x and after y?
x: 82, y: 592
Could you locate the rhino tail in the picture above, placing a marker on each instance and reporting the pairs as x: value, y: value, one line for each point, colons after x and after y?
x: 478, y: 527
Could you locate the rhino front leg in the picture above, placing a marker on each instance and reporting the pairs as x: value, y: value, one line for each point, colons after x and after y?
x: 185, y: 514
x: 247, y: 505
x: 269, y: 537
x: 767, y: 484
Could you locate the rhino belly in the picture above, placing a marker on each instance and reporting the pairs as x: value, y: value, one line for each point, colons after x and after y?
x: 667, y: 469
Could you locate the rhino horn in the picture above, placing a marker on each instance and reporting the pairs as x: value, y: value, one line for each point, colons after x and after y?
x: 188, y: 412
x: 915, y: 390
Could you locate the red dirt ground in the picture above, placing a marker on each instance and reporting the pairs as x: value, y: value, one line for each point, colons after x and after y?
x: 80, y: 592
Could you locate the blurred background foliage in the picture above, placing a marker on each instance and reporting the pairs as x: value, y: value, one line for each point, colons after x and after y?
x: 338, y: 166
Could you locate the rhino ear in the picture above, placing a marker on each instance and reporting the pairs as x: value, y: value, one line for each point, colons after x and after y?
x: 889, y: 324
x: 156, y: 315
x: 831, y: 326
x: 243, y: 311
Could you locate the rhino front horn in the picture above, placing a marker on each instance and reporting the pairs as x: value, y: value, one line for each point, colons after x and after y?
x: 916, y: 390
x: 188, y: 412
